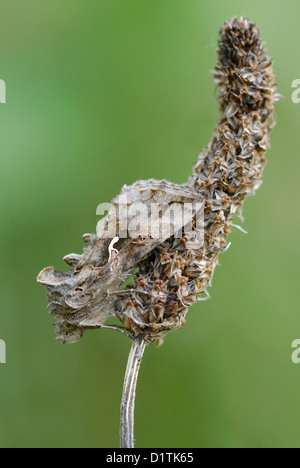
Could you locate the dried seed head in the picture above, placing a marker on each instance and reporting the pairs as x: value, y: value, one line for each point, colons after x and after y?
x: 174, y: 273
x: 227, y: 171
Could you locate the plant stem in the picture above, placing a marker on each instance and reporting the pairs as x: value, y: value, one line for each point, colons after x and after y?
x: 129, y: 391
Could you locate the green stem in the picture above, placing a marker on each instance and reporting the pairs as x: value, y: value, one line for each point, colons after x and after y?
x: 129, y: 392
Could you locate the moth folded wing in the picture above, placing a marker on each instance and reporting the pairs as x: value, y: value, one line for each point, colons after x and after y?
x: 85, y: 296
x: 127, y: 253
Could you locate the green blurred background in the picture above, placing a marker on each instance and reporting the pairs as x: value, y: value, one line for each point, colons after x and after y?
x: 101, y: 93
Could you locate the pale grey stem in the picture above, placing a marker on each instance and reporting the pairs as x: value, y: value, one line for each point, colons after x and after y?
x: 129, y: 391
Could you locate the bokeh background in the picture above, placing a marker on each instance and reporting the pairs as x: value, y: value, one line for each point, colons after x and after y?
x: 101, y: 93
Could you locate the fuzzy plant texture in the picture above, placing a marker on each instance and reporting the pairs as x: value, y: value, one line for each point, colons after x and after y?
x: 171, y: 274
